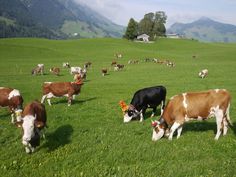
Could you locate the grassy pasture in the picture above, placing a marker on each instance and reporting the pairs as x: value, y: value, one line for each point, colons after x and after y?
x: 89, y: 138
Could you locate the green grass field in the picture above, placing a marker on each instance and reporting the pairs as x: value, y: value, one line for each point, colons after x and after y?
x: 89, y: 138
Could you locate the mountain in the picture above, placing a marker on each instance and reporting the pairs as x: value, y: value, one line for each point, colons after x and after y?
x: 53, y: 19
x: 205, y: 29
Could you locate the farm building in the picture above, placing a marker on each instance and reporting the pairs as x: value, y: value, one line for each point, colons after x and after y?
x: 144, y: 37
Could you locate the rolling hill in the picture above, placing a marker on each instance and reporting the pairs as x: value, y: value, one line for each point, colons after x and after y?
x: 206, y: 29
x: 53, y: 19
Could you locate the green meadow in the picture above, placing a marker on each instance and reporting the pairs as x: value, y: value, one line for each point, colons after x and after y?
x: 89, y: 138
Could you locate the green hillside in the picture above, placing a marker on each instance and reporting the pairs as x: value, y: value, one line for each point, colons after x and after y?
x: 206, y: 30
x: 89, y: 138
x: 53, y: 19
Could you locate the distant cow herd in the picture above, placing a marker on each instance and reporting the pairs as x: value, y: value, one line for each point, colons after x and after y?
x: 180, y: 108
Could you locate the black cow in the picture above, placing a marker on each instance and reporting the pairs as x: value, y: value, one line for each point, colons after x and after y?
x: 145, y: 98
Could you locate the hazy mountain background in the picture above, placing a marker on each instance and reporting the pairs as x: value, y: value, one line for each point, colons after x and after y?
x: 205, y: 29
x: 53, y: 19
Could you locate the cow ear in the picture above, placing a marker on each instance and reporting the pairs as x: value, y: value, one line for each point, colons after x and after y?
x: 19, y: 124
x: 39, y: 124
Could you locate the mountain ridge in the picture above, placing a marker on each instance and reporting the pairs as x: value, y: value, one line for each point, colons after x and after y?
x: 205, y: 29
x: 57, y: 19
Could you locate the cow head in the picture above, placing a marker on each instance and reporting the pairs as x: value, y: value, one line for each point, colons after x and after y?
x: 129, y: 111
x: 158, y: 131
x: 31, y: 136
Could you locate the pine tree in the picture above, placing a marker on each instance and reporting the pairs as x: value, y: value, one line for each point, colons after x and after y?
x: 132, y: 30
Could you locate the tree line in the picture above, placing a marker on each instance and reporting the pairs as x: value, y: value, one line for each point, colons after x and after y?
x: 152, y: 24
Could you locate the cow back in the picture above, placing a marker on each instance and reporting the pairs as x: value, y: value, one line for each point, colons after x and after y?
x: 151, y: 96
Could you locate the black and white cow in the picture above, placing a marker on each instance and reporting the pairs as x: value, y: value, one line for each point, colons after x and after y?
x: 145, y: 98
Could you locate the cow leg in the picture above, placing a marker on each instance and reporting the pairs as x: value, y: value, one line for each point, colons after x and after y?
x: 69, y: 100
x: 141, y: 114
x: 49, y: 102
x: 73, y: 97
x: 179, y: 130
x: 48, y: 96
x: 154, y: 111
x: 225, y: 126
x: 219, y: 119
x: 43, y: 98
x: 172, y: 129
x: 141, y: 117
x: 13, y: 118
x: 27, y: 149
x: 162, y: 106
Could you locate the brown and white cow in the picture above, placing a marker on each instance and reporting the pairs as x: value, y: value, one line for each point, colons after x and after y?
x: 59, y: 89
x: 33, y: 122
x: 12, y: 99
x: 119, y: 67
x: 39, y: 69
x: 104, y: 71
x: 55, y: 70
x: 194, y: 106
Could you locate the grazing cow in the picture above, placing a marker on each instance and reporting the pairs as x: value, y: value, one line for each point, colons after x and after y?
x: 55, y: 71
x: 87, y: 64
x: 33, y: 122
x: 203, y: 73
x: 133, y: 62
x: 75, y: 70
x: 170, y: 64
x: 39, y: 69
x: 59, y: 89
x: 66, y: 65
x: 118, y: 55
x: 144, y: 98
x: 118, y: 67
x: 194, y: 106
x: 104, y: 71
x: 12, y: 99
x: 113, y: 63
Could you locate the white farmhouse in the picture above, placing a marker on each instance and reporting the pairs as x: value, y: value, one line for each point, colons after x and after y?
x: 144, y: 37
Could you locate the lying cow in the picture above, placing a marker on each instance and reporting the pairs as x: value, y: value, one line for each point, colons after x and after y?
x: 55, y: 70
x: 194, y: 106
x: 12, y: 99
x: 33, y: 122
x: 59, y: 89
x: 203, y: 73
x: 145, y: 98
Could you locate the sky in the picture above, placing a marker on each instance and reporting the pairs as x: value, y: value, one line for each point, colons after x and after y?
x: 184, y: 11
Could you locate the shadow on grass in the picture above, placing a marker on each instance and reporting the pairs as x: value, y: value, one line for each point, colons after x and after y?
x: 76, y: 101
x: 199, y: 126
x: 3, y: 115
x: 147, y: 115
x: 204, y: 126
x: 234, y: 128
x: 60, y: 137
